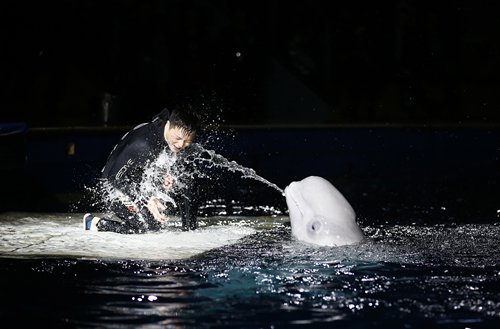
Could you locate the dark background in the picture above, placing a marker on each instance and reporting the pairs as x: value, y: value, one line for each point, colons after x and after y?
x: 395, y: 102
x: 256, y: 62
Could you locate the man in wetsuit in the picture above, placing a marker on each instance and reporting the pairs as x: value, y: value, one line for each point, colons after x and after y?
x: 131, y: 210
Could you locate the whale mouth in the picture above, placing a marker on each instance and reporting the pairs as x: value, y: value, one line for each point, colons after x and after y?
x: 290, y: 195
x: 298, y: 207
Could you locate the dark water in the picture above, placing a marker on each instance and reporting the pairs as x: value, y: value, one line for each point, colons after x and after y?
x: 403, y: 276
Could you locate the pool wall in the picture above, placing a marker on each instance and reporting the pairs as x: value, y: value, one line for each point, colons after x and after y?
x: 47, y: 169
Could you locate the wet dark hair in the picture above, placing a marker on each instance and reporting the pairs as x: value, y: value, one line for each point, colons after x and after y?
x: 185, y: 118
x: 182, y: 116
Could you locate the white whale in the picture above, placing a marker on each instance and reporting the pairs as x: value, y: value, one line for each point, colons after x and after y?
x: 319, y: 213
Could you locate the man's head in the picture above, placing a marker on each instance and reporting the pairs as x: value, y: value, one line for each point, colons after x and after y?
x: 181, y: 128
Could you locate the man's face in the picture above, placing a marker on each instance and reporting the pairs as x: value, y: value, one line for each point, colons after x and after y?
x: 177, y: 138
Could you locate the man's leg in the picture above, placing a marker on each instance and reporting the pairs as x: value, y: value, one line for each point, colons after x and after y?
x: 150, y: 222
x: 119, y: 219
x: 135, y: 221
x: 188, y: 206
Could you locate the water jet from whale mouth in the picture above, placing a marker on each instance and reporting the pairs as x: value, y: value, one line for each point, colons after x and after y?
x: 200, y: 162
x: 211, y: 159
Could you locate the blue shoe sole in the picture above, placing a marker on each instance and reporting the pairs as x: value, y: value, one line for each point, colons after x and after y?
x: 87, y: 221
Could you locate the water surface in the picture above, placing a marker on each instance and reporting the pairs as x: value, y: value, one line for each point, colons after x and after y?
x: 248, y: 272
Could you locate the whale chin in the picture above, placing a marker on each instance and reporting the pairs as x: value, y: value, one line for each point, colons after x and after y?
x: 319, y: 213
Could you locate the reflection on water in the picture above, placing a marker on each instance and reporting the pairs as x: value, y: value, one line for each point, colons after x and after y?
x: 403, y: 275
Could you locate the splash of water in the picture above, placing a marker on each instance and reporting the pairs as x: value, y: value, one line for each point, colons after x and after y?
x: 216, y: 160
x: 181, y: 169
x: 152, y: 179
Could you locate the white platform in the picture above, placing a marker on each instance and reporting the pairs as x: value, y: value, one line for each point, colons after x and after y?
x: 33, y: 235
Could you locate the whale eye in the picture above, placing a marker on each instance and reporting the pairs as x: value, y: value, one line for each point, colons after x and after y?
x: 314, y: 226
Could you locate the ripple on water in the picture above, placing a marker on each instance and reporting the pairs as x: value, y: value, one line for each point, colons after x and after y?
x: 430, y: 274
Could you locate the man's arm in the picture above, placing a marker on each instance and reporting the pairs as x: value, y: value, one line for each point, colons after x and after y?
x: 126, y: 163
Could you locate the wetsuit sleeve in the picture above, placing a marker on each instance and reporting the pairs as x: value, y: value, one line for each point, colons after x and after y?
x: 126, y: 163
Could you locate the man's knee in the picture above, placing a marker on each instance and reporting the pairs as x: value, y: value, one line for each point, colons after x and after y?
x: 189, y: 222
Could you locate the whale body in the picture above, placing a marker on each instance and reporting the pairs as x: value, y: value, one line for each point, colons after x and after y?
x: 320, y: 214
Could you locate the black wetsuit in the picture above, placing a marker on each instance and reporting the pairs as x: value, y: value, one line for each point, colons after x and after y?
x: 124, y: 171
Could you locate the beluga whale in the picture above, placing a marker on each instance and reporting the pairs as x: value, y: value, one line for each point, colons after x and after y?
x: 320, y: 214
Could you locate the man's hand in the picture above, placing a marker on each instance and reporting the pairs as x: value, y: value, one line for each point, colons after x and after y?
x: 155, y: 206
x: 168, y: 181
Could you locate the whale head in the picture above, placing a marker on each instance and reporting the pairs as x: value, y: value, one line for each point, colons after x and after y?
x: 319, y: 213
